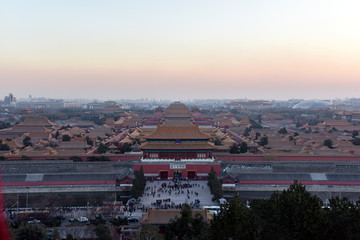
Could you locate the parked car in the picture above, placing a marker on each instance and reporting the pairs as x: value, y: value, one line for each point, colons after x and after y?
x: 83, y: 219
x: 34, y: 221
x: 133, y: 221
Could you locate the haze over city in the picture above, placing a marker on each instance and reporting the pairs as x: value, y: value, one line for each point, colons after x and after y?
x: 180, y: 50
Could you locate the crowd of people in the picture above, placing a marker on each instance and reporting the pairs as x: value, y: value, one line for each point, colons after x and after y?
x: 162, y: 193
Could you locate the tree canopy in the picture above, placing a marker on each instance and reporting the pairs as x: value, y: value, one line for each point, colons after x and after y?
x: 247, y: 132
x: 291, y: 214
x: 234, y: 221
x: 102, y: 232
x: 328, y: 143
x: 355, y: 133
x: 149, y: 232
x: 27, y: 141
x: 101, y: 148
x: 243, y: 147
x: 234, y: 149
x: 215, y: 185
x: 139, y: 184
x: 283, y: 131
x: 4, y: 147
x: 356, y: 141
x: 30, y: 232
x: 66, y: 138
x: 239, y: 148
x: 187, y: 226
x: 264, y: 141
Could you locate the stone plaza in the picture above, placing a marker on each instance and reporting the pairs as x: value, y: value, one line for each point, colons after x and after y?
x: 171, y: 194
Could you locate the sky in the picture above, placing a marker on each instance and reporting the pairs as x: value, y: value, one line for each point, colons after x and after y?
x: 161, y: 49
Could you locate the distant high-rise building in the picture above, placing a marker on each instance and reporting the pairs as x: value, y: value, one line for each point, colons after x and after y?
x: 8, y: 100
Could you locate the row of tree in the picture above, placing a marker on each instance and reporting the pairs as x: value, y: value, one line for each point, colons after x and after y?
x: 291, y: 214
x: 36, y: 232
x: 123, y: 148
x: 4, y: 125
x: 239, y: 148
x: 139, y: 184
x: 215, y: 185
x: 4, y: 146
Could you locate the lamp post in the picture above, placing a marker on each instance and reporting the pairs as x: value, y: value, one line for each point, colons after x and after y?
x: 27, y: 197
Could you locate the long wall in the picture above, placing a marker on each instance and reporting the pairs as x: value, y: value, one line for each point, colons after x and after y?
x: 156, y: 169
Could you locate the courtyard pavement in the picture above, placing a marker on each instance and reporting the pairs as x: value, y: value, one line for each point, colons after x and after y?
x: 176, y: 193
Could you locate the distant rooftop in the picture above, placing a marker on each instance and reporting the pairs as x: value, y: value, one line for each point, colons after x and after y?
x: 312, y: 105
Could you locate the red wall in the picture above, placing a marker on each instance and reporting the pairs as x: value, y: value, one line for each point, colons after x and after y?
x: 285, y: 158
x: 198, y: 168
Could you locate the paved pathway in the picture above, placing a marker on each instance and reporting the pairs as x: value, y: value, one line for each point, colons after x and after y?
x: 182, y: 192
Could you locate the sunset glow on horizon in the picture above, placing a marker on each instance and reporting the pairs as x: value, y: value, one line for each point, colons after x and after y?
x: 180, y: 50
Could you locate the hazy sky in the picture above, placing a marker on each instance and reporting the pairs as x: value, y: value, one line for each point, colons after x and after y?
x: 180, y: 49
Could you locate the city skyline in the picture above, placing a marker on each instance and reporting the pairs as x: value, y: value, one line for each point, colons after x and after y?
x: 160, y: 50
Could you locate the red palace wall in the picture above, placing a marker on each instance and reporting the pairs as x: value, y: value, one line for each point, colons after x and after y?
x: 286, y: 158
x: 197, y: 168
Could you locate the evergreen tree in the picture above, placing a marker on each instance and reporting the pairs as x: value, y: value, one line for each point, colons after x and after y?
x: 292, y: 214
x: 57, y: 134
x: 139, y: 184
x: 126, y: 147
x: 283, y: 131
x: 66, y: 138
x: 215, y: 185
x: 101, y: 148
x: 234, y: 149
x: 243, y: 147
x: 102, y: 232
x: 356, y: 141
x: 263, y: 141
x: 27, y: 141
x: 89, y: 141
x: 344, y: 219
x: 355, y: 133
x: 217, y: 142
x: 328, y: 143
x: 187, y: 226
x: 4, y: 147
x: 30, y: 232
x: 55, y: 235
x: 234, y: 221
x: 247, y: 132
x: 69, y: 236
x: 119, y: 221
x: 150, y: 232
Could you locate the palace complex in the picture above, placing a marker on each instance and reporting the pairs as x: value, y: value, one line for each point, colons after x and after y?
x: 177, y: 148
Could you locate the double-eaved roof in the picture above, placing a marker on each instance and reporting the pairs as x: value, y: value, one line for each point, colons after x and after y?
x: 177, y: 146
x: 178, y: 132
x: 177, y: 110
